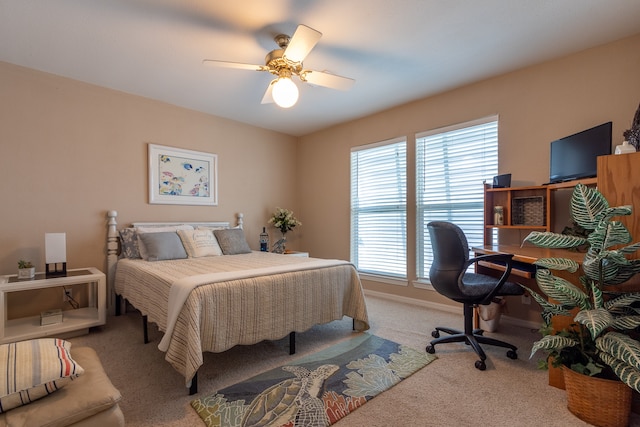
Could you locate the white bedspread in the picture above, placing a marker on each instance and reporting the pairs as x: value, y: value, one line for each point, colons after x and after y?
x: 180, y: 289
x: 230, y: 300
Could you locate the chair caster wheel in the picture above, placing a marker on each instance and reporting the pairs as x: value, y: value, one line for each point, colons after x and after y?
x: 511, y: 354
x: 430, y: 349
x: 435, y: 334
x: 481, y: 365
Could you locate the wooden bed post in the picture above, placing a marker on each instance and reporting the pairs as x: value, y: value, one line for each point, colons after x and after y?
x: 112, y: 259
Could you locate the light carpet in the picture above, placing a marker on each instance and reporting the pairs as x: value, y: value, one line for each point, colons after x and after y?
x: 449, y: 392
x: 316, y: 390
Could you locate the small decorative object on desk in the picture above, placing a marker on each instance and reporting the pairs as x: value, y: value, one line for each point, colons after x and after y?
x: 26, y: 270
x: 625, y: 148
x: 498, y: 215
x: 283, y: 220
x: 50, y: 317
x: 633, y: 134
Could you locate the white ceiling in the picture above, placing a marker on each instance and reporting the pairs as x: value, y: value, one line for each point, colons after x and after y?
x: 397, y: 51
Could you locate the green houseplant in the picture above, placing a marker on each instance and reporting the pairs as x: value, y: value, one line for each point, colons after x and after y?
x: 26, y: 270
x: 283, y: 220
x: 602, y: 340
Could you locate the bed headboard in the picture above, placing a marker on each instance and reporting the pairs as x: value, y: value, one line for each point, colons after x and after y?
x: 112, y: 245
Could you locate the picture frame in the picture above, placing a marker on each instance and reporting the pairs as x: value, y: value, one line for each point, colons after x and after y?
x: 182, y: 177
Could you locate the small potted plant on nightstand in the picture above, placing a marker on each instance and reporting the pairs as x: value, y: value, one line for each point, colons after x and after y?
x: 26, y: 270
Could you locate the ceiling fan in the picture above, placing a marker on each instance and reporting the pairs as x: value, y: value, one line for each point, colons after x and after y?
x: 285, y: 63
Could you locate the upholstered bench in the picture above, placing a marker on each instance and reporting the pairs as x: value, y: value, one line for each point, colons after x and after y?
x: 87, y: 400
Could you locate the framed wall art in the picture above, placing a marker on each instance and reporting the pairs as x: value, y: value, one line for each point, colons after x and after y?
x: 182, y: 177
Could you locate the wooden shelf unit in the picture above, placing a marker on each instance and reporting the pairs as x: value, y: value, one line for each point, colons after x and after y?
x: 505, y: 197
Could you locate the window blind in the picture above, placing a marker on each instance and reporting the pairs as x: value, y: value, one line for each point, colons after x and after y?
x: 379, y: 208
x: 452, y: 165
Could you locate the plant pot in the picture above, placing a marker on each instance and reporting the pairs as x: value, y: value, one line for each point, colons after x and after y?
x: 601, y: 402
x: 26, y: 273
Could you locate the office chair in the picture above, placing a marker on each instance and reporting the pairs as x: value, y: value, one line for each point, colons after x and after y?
x: 449, y: 277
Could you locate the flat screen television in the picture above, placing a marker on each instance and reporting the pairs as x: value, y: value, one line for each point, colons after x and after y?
x: 575, y: 156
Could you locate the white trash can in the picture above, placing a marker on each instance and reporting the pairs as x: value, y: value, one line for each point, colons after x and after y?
x: 490, y: 314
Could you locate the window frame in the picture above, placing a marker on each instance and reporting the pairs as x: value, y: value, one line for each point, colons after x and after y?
x: 399, y: 206
x: 422, y: 238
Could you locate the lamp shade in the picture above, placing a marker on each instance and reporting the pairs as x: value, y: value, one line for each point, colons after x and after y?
x: 55, y: 247
x: 285, y: 92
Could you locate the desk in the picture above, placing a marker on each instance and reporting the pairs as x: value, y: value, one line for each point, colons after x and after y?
x: 528, y: 254
x: 525, y: 256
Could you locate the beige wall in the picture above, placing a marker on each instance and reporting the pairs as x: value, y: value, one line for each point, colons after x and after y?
x: 535, y: 106
x: 72, y: 151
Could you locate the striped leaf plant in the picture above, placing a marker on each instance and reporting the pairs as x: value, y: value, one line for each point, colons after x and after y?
x: 602, y: 341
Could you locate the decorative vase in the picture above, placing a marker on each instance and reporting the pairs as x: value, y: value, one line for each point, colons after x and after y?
x: 625, y: 148
x: 598, y: 401
x: 279, y: 246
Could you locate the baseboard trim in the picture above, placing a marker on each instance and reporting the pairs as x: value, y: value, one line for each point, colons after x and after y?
x: 449, y: 308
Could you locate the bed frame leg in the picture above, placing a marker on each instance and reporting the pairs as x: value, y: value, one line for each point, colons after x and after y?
x: 193, y: 389
x: 292, y: 343
x: 144, y: 329
x: 353, y: 321
x: 118, y: 302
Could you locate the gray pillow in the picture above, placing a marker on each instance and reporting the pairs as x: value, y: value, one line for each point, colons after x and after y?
x: 232, y: 241
x: 163, y: 245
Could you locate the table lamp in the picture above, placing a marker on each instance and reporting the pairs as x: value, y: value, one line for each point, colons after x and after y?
x: 55, y: 252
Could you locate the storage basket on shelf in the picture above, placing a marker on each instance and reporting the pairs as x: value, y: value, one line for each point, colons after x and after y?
x: 528, y: 210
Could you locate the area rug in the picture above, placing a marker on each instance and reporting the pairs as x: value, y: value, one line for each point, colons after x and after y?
x: 316, y: 390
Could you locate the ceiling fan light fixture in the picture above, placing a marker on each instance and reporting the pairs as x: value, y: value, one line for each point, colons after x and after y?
x: 285, y: 92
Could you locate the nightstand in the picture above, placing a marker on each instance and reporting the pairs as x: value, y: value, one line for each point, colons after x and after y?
x: 73, y: 320
x: 297, y: 253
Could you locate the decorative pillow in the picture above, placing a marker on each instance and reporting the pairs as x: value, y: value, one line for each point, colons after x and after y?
x: 33, y: 369
x: 162, y: 245
x: 160, y: 229
x: 199, y: 243
x: 232, y: 241
x: 206, y: 227
x: 129, y: 243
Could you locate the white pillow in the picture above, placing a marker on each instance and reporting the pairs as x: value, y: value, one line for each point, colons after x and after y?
x: 33, y: 369
x: 163, y: 229
x: 199, y: 243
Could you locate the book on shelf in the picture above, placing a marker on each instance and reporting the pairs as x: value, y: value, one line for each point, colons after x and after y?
x: 50, y: 317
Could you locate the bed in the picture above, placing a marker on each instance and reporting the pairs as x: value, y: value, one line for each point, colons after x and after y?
x: 235, y: 296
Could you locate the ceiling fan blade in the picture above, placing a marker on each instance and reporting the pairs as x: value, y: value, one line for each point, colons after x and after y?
x: 332, y: 81
x: 301, y: 43
x: 227, y: 64
x: 268, y: 95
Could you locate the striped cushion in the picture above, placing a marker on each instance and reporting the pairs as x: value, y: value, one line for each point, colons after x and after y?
x: 33, y: 369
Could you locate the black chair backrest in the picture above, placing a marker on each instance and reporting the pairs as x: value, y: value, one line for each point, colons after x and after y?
x: 450, y: 255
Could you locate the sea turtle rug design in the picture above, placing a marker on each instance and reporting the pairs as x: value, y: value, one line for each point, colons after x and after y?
x: 317, y: 390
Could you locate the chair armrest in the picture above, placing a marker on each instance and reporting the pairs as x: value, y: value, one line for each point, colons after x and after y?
x: 507, y: 259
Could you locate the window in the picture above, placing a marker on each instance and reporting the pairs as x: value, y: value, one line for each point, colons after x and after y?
x: 379, y: 208
x: 451, y: 166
